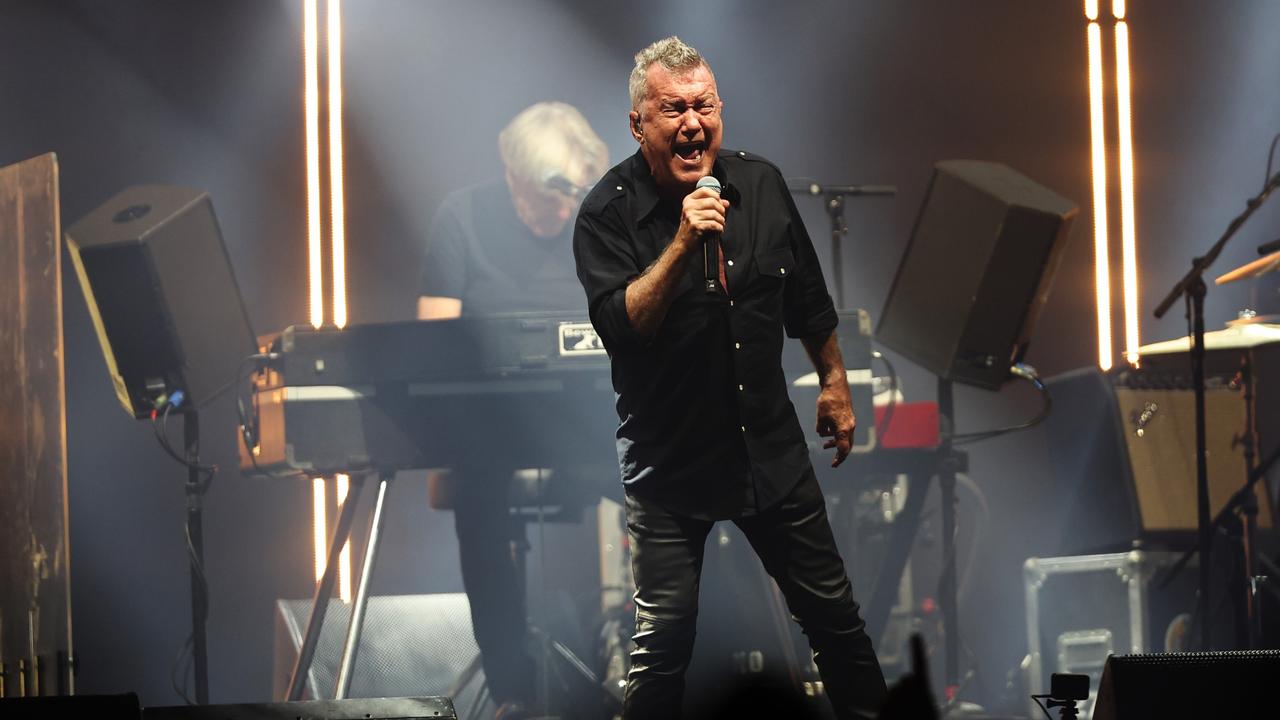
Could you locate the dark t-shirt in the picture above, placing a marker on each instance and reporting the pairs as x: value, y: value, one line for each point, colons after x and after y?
x: 479, y: 252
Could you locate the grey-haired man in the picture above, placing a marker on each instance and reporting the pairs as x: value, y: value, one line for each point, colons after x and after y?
x: 706, y: 431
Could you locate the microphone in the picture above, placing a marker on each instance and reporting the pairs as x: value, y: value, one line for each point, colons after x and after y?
x: 813, y: 188
x: 553, y: 180
x: 710, y: 246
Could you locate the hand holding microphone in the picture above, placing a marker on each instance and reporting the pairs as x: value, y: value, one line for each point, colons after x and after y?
x: 702, y: 219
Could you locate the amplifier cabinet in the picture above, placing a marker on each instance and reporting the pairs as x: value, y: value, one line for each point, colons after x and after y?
x: 1225, y: 404
x: 1084, y: 608
x: 1122, y: 448
x: 1158, y: 425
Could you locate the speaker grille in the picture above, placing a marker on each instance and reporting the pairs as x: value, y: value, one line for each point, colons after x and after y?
x: 411, y: 646
x: 1159, y: 434
x: 1122, y: 446
x: 1236, y: 685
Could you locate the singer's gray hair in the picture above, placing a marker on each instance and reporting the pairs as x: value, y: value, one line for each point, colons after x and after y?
x: 552, y: 138
x: 672, y: 53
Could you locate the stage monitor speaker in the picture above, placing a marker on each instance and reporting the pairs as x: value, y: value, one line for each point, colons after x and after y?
x: 410, y: 645
x: 976, y: 272
x: 162, y: 295
x: 98, y: 707
x: 424, y: 708
x: 1122, y: 446
x: 1177, y: 686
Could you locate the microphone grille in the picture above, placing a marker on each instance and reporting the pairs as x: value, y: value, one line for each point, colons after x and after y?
x: 709, y: 182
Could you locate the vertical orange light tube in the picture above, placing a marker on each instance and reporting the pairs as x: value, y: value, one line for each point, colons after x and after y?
x: 1102, y: 264
x: 319, y: 534
x: 311, y: 99
x: 337, y: 205
x: 344, y: 558
x: 1128, y: 229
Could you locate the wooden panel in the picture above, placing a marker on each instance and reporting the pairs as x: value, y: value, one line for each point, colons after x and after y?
x: 35, y: 606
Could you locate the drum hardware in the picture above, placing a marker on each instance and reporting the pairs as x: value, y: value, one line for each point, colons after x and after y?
x: 1192, y: 289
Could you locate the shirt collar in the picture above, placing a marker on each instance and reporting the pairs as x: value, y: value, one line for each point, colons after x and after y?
x: 647, y: 198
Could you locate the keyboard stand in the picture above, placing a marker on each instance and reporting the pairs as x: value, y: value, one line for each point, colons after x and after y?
x: 324, y: 590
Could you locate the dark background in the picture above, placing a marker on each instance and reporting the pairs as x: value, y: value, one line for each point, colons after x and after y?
x: 209, y: 95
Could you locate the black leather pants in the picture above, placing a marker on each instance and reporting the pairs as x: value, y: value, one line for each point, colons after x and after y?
x: 793, y: 539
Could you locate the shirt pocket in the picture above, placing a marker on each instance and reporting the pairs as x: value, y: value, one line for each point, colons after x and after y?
x: 775, y: 262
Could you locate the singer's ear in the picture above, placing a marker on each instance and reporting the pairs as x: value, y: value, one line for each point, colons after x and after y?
x: 636, y: 131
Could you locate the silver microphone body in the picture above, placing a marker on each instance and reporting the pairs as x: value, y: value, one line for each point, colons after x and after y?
x: 710, y: 245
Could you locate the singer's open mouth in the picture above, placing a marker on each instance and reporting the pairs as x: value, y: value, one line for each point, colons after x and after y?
x: 691, y: 152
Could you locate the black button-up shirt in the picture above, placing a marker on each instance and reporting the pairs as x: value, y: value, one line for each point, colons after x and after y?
x: 705, y: 425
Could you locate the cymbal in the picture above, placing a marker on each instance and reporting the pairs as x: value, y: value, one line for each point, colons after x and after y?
x: 1250, y: 317
x: 1261, y: 266
x: 1231, y: 338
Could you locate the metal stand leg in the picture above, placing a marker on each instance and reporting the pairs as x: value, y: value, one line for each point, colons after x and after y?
x: 1253, y: 603
x: 549, y: 649
x: 343, y: 685
x: 903, y: 532
x: 465, y: 677
x: 195, y: 536
x: 947, y: 484
x: 324, y: 591
x: 1249, y: 439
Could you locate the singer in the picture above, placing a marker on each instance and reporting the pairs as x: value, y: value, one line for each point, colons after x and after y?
x: 706, y: 430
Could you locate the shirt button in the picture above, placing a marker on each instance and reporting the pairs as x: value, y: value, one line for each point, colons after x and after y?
x: 782, y: 270
x: 739, y: 388
x: 730, y: 303
x: 729, y: 263
x: 619, y: 187
x: 741, y: 154
x: 737, y: 346
x: 744, y: 428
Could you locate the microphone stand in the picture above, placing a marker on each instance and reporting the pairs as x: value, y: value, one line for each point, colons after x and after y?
x: 834, y: 198
x: 1245, y: 500
x: 195, y: 538
x: 1192, y: 288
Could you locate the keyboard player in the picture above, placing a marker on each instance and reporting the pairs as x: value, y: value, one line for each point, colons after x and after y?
x: 505, y: 245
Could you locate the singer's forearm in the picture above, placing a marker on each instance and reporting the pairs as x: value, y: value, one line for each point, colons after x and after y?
x: 650, y: 295
x: 824, y: 352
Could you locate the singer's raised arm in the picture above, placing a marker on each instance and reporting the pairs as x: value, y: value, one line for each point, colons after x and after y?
x: 607, y: 269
